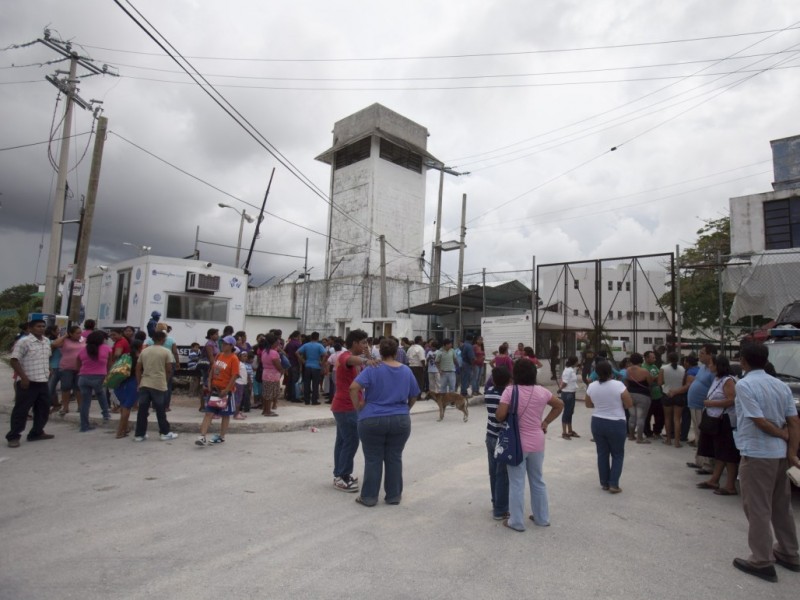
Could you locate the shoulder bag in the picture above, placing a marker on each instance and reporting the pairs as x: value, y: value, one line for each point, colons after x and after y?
x: 509, y: 445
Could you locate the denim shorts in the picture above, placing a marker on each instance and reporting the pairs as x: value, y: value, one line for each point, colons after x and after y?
x: 69, y: 380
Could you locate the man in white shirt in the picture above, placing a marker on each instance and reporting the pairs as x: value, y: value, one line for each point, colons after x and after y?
x: 416, y: 361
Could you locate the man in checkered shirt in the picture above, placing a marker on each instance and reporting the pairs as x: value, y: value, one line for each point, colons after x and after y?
x: 31, y: 363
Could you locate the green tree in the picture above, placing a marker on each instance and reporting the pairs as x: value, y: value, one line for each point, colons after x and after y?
x: 17, y: 296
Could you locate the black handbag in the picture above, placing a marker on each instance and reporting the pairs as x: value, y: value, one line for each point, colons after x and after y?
x: 710, y: 425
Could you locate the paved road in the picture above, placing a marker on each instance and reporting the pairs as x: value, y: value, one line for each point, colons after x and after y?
x: 91, y: 517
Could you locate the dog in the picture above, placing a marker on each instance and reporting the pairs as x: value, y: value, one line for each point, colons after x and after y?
x: 443, y: 399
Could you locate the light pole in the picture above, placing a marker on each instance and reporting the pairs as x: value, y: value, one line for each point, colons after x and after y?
x: 245, y: 217
x: 143, y: 250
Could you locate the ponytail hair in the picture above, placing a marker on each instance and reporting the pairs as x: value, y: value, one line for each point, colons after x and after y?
x: 93, y: 343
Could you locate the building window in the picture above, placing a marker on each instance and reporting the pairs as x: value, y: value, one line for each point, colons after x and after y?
x: 586, y: 313
x: 400, y: 156
x: 352, y: 153
x: 648, y: 340
x: 629, y: 315
x: 123, y: 293
x: 627, y: 286
x: 197, y: 308
x: 619, y: 314
x: 610, y: 286
x: 659, y: 341
x: 782, y: 224
x: 619, y: 286
x: 575, y: 312
x: 652, y: 316
x: 575, y: 284
x: 611, y: 315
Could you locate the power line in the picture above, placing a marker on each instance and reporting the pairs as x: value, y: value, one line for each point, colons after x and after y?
x: 444, y: 77
x: 259, y: 251
x: 457, y: 56
x: 231, y: 110
x: 44, y: 142
x: 221, y: 191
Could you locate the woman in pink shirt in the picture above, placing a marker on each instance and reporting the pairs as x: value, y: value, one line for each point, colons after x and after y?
x: 71, y: 344
x: 531, y: 400
x: 92, y: 370
x: 271, y: 375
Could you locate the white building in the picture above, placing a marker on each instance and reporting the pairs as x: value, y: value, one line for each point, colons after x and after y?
x: 765, y: 240
x: 378, y: 164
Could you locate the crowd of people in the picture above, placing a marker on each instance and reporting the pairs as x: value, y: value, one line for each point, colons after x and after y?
x: 745, y: 427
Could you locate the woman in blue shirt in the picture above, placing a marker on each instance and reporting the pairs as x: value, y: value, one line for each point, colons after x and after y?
x: 384, y: 424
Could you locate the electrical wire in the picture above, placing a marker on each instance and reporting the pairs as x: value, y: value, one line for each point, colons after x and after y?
x: 232, y: 111
x: 228, y: 194
x: 442, y: 77
x: 458, y: 56
x: 50, y: 141
x: 259, y: 251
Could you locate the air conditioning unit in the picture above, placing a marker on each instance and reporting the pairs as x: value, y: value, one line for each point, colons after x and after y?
x: 201, y: 282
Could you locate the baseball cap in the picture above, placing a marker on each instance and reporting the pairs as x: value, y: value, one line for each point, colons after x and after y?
x: 229, y: 339
x: 155, y: 313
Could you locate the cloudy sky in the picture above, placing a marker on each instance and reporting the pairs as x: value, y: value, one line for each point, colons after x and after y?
x: 529, y: 97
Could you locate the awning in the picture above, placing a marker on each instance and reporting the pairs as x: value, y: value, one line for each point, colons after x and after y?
x: 472, y: 300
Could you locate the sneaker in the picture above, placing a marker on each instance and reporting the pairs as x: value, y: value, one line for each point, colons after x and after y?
x: 140, y: 438
x: 13, y: 443
x: 351, y: 479
x: 216, y: 439
x: 345, y: 486
x: 168, y: 436
x: 201, y: 441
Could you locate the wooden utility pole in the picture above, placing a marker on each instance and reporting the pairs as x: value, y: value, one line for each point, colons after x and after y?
x: 462, y: 245
x: 56, y: 229
x: 85, y: 235
x: 436, y: 264
x: 384, y: 308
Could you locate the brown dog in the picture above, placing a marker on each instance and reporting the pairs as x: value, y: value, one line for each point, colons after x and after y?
x: 443, y: 399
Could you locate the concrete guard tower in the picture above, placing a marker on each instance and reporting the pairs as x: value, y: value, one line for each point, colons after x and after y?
x: 378, y: 167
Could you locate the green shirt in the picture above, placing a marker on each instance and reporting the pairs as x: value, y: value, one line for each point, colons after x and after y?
x: 154, y: 374
x: 446, y: 360
x: 655, y: 390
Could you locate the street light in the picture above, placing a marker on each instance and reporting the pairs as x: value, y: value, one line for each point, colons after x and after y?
x: 142, y: 249
x: 245, y: 217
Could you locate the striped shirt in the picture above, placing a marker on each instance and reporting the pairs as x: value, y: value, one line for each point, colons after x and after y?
x: 33, y: 355
x: 491, y: 397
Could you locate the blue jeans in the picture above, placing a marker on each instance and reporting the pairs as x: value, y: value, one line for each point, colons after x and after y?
x: 498, y: 480
x: 569, y: 407
x: 447, y: 381
x: 477, y: 378
x: 159, y: 400
x: 346, y: 444
x: 55, y: 377
x: 466, y: 379
x: 532, y: 466
x: 88, y: 384
x: 609, y: 436
x: 383, y: 440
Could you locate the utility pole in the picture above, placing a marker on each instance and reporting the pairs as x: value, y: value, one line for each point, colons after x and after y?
x: 69, y: 88
x: 436, y: 260
x: 305, y: 289
x: 462, y: 245
x: 56, y: 229
x: 384, y: 309
x: 85, y: 233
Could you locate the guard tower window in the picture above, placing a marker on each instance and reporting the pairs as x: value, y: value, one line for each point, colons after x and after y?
x: 782, y: 224
x: 352, y: 153
x: 400, y: 156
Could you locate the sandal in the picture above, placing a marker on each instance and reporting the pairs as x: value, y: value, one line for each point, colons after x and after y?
x: 239, y: 417
x: 724, y: 492
x: 642, y: 441
x: 573, y: 434
x: 705, y: 485
x: 566, y: 436
x: 269, y: 414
